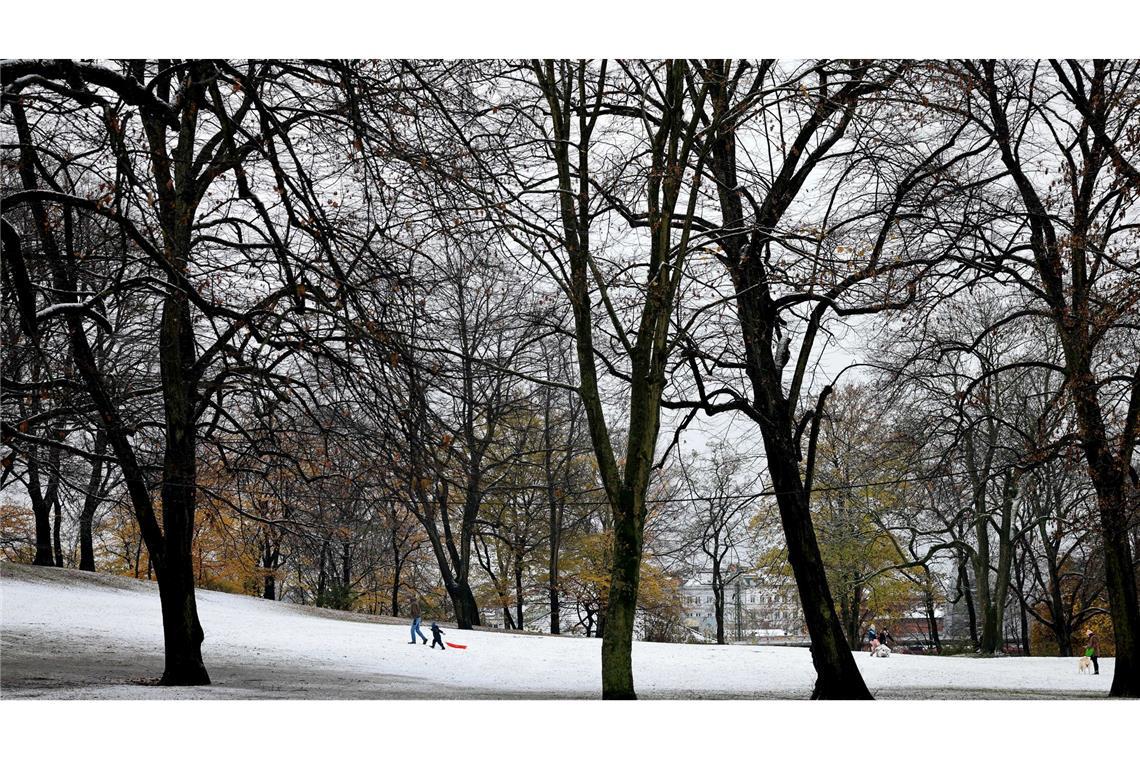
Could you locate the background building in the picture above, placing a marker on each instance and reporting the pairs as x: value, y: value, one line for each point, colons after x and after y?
x: 755, y: 607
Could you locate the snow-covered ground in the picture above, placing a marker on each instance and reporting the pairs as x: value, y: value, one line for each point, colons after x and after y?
x: 68, y: 635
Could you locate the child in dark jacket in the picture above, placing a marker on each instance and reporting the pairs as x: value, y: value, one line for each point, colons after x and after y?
x: 436, y: 632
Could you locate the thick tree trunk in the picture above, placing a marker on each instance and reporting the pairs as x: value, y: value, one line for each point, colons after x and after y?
x: 41, y: 511
x: 837, y: 675
x: 617, y: 638
x: 1122, y: 597
x: 1064, y: 639
x: 463, y: 600
x: 181, y: 630
x: 967, y: 595
x: 86, y: 542
x: 1116, y: 498
x: 457, y: 584
x: 43, y: 535
x: 990, y: 628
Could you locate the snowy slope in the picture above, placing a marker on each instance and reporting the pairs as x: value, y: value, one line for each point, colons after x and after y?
x: 71, y: 635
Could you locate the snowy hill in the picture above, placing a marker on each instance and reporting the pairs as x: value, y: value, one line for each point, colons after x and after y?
x: 68, y: 634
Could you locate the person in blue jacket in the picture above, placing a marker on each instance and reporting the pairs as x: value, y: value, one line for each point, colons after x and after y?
x: 436, y: 633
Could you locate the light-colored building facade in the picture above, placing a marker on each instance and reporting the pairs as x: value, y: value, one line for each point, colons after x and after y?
x: 755, y: 607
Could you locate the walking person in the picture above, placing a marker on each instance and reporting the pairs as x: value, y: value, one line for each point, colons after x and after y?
x: 872, y: 637
x: 1092, y: 649
x: 436, y: 633
x: 415, y: 610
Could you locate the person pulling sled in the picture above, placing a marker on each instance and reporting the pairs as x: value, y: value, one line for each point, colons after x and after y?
x: 436, y: 634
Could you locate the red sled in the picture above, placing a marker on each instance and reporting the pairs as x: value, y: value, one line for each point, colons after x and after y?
x: 457, y: 646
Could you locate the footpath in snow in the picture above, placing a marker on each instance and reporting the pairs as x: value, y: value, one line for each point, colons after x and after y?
x: 72, y: 635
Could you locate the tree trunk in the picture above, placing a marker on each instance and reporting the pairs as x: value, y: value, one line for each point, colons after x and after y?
x: 617, y: 639
x: 1075, y: 314
x: 967, y: 595
x: 56, y: 542
x: 1122, y: 597
x: 555, y: 511
x: 41, y: 510
x: 519, y: 594
x: 552, y: 571
x: 989, y: 631
x: 322, y: 573
x: 837, y: 675
x: 86, y: 543
x: 850, y: 612
x: 463, y: 600
x: 398, y: 567
x: 1024, y: 631
x: 555, y: 603
x: 90, y: 505
x: 270, y: 555
x: 53, y: 497
x: 931, y: 621
x: 182, y: 632
x: 168, y: 547
x: 718, y: 602
x: 346, y: 566
x: 1115, y: 497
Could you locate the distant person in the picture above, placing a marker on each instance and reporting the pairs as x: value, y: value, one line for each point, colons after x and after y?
x: 1092, y: 649
x: 874, y: 646
x: 415, y: 610
x: 885, y: 637
x: 872, y: 636
x: 436, y: 633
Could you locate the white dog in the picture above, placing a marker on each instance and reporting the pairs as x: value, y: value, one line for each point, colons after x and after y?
x: 881, y: 651
x: 1084, y: 665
